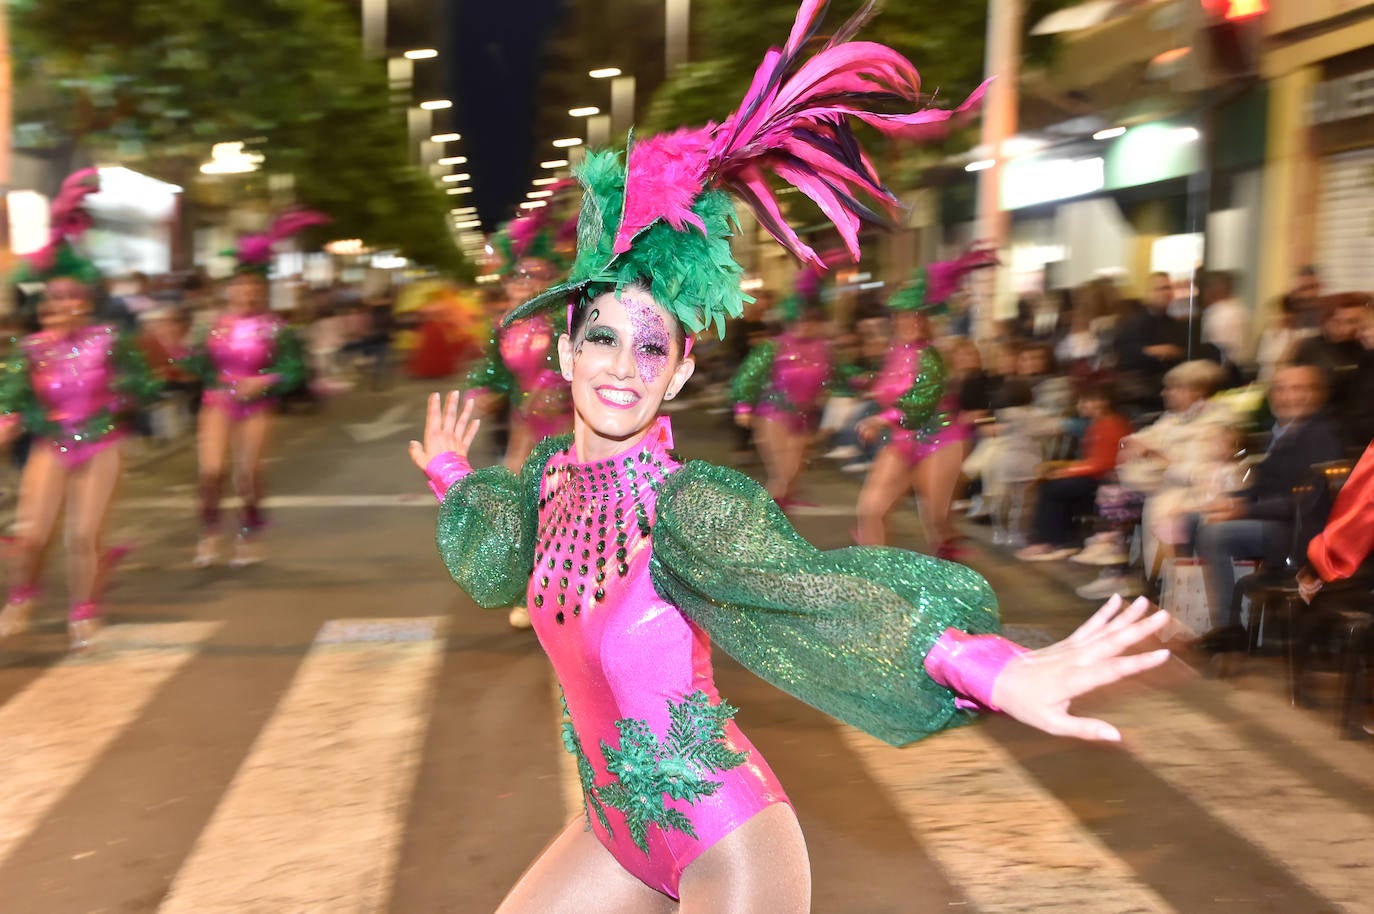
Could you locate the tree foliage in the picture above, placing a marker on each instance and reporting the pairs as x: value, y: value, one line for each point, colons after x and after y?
x: 163, y: 80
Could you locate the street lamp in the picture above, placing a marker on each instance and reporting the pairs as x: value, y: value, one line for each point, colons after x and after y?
x: 458, y: 177
x: 446, y: 138
x: 604, y: 73
x: 421, y: 54
x: 587, y: 111
x: 554, y: 163
x: 437, y: 104
x: 453, y: 160
x: 568, y: 142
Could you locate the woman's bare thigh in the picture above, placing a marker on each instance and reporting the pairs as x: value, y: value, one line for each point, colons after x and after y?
x: 759, y: 868
x: 576, y: 875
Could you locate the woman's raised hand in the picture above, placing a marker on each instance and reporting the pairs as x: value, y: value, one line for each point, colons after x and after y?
x: 446, y: 429
x: 1037, y: 687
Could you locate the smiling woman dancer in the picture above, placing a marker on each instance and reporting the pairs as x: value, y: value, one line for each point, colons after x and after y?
x: 636, y: 564
x: 71, y: 385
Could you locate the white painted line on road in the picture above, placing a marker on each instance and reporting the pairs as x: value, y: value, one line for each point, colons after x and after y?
x: 1316, y: 837
x: 313, y: 819
x: 1008, y: 843
x: 53, y: 731
x: 183, y: 503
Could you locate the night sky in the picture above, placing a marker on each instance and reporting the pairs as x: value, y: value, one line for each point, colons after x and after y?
x: 495, y: 77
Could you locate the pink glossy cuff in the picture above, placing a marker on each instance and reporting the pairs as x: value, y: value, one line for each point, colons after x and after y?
x: 743, y: 409
x: 22, y: 593
x: 444, y: 470
x: 968, y: 665
x: 892, y: 416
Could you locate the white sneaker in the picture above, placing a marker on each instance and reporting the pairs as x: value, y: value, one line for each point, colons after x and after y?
x: 1106, y: 586
x: 247, y: 551
x: 207, y: 551
x: 1102, y: 552
x: 519, y: 618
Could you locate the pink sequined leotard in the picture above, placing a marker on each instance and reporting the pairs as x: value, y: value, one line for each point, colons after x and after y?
x: 801, y: 368
x: 73, y: 378
x: 910, y: 386
x: 238, y: 347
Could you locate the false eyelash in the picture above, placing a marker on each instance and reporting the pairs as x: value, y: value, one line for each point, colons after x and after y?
x: 600, y: 335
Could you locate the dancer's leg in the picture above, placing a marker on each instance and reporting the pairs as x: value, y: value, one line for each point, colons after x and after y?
x: 759, y: 868
x: 793, y: 454
x: 888, y: 480
x: 250, y: 439
x: 576, y: 875
x: 212, y: 445
x: 934, y: 479
x: 770, y: 437
x: 42, y: 488
x: 92, y: 487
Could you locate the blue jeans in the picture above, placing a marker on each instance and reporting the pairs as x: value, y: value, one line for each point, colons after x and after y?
x: 1218, y: 545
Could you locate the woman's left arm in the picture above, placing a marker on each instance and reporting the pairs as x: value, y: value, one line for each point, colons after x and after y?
x: 134, y: 380
x: 287, y: 372
x: 898, y: 644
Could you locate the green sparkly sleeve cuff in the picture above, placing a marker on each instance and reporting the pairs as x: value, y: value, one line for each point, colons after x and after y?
x: 748, y: 383
x: 921, y: 401
x: 846, y: 631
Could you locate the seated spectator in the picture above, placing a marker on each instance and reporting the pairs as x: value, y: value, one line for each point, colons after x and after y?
x: 1175, y: 461
x: 1338, y: 352
x: 1259, y: 524
x: 1069, y: 490
x: 1346, y: 541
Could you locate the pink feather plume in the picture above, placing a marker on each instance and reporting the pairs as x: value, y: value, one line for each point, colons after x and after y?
x: 795, y: 123
x: 944, y: 276
x: 257, y: 248
x: 68, y: 218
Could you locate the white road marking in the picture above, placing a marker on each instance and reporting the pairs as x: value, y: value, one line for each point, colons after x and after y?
x: 1008, y: 844
x: 314, y: 816
x: 53, y: 731
x: 391, y: 421
x: 1316, y: 837
x: 421, y: 499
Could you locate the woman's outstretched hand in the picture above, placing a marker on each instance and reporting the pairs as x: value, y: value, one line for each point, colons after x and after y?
x: 446, y: 429
x: 1037, y: 687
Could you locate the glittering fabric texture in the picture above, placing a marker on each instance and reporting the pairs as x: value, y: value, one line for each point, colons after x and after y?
x: 486, y: 529
x: 650, y: 337
x: 970, y: 664
x: 71, y: 390
x: 242, y: 346
x: 797, y: 384
x: 491, y: 373
x: 752, y: 376
x: 846, y: 631
x: 911, y: 389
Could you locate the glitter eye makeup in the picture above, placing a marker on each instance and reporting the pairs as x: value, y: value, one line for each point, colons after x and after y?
x: 651, y: 339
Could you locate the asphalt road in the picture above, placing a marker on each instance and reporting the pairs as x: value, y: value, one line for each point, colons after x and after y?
x: 341, y: 730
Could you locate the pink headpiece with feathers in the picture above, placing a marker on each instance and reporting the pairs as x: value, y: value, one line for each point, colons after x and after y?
x: 68, y: 219
x: 254, y: 252
x: 794, y: 122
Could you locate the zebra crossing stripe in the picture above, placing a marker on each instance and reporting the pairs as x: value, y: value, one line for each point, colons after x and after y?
x: 53, y: 731
x: 313, y: 819
x: 1006, y: 842
x: 1321, y: 840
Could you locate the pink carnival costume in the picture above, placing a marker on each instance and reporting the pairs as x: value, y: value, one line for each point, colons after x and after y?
x: 71, y: 386
x: 786, y: 379
x: 635, y: 566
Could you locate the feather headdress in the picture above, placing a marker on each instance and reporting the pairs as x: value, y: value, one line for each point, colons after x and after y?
x: 933, y: 285
x: 254, y: 252
x: 68, y: 221
x: 664, y: 217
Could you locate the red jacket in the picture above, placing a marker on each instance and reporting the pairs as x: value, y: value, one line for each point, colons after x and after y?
x: 1101, y: 442
x: 1338, y: 551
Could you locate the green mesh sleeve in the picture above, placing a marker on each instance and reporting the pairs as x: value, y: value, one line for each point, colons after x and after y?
x: 919, y: 404
x: 196, y: 361
x: 487, y: 526
x: 491, y: 372
x: 134, y: 379
x: 846, y: 631
x: 752, y: 376
x: 850, y: 379
x: 288, y: 362
x: 16, y: 390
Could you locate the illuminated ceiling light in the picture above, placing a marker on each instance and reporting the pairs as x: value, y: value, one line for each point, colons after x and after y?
x: 421, y: 54
x: 567, y: 142
x: 1186, y: 134
x: 1110, y: 133
x: 539, y: 194
x: 230, y: 159
x: 589, y: 111
x: 446, y: 138
x: 474, y: 223
x: 554, y: 163
x: 460, y: 190
x: 454, y: 160
x: 604, y: 73
x: 533, y: 204
x: 980, y: 165
x: 437, y: 104
x: 458, y: 177
x: 460, y: 210
x: 544, y: 182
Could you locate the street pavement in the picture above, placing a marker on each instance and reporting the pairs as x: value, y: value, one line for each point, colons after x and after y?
x: 341, y: 730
